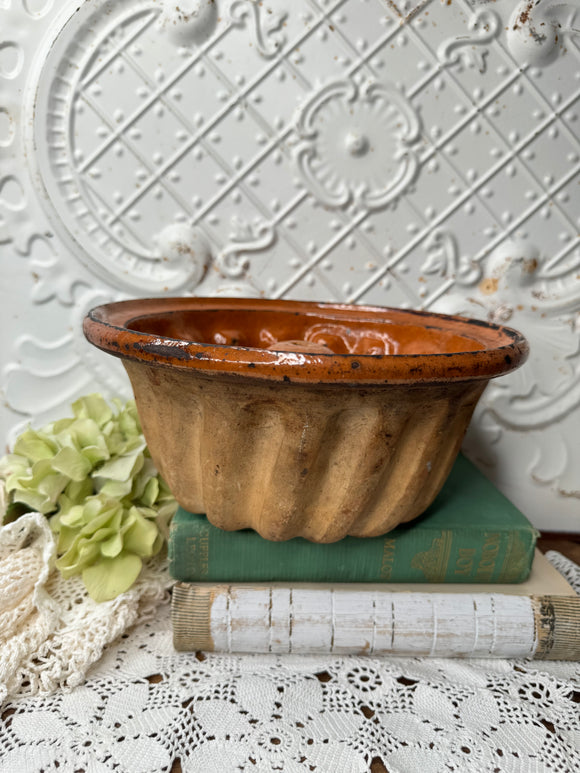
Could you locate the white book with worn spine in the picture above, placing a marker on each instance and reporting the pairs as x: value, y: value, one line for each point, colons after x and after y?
x: 539, y: 618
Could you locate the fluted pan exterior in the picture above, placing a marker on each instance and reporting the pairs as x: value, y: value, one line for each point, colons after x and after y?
x: 289, y: 460
x: 297, y: 418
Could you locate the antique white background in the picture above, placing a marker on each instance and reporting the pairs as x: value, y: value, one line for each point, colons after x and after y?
x: 415, y: 154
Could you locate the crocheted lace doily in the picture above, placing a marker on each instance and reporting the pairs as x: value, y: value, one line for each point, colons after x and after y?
x: 144, y: 706
x: 51, y: 632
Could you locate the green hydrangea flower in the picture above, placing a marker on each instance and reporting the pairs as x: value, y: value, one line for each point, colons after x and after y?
x: 93, y: 477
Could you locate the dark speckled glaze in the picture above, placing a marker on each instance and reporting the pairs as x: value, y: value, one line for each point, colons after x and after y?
x: 238, y: 336
x: 297, y: 418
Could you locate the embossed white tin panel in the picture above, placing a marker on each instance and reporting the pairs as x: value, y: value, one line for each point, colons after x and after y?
x: 419, y: 153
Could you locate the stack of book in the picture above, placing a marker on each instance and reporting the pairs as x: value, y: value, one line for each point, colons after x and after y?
x: 465, y: 579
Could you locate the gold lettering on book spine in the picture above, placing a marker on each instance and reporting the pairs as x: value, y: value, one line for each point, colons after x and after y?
x: 489, y: 554
x: 191, y: 617
x: 434, y: 562
x: 557, y: 627
x: 197, y: 552
x: 516, y: 557
x: 388, y: 559
x: 204, y: 552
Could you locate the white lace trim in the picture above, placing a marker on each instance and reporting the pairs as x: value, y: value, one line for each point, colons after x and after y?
x: 51, y: 632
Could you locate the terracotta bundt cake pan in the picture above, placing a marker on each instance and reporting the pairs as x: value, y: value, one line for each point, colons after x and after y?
x: 303, y: 419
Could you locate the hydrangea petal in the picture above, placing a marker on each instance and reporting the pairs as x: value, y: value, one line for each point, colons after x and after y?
x: 116, y: 489
x: 140, y: 538
x: 13, y: 464
x: 52, y: 486
x: 151, y: 492
x: 74, y: 517
x: 110, y: 516
x: 37, y: 503
x: 122, y: 468
x: 88, y: 434
x: 78, y: 557
x: 66, y: 536
x: 129, y: 420
x: 60, y: 426
x: 96, y: 454
x: 109, y: 577
x: 75, y: 494
x: 34, y: 445
x: 93, y: 407
x: 113, y: 546
x: 41, y: 489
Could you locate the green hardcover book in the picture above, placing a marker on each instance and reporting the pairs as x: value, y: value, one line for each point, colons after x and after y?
x: 470, y: 534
